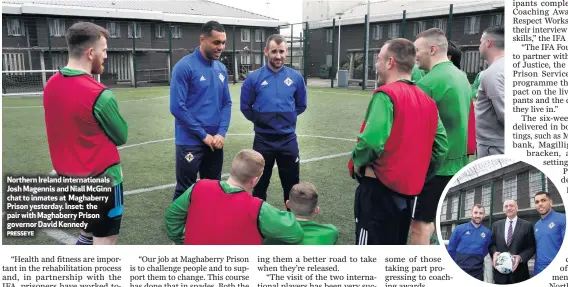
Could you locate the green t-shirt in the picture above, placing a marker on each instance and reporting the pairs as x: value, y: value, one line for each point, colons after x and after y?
x: 417, y: 74
x: 115, y: 127
x: 475, y: 85
x: 272, y: 223
x: 450, y: 89
x: 314, y: 234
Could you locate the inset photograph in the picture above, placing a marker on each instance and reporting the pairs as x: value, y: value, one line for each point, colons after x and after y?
x: 502, y: 221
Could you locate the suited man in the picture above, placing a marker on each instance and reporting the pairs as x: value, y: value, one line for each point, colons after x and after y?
x: 516, y: 236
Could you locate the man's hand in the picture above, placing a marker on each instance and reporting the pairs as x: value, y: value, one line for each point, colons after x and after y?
x: 495, y: 255
x: 218, y: 141
x: 208, y: 140
x: 517, y: 261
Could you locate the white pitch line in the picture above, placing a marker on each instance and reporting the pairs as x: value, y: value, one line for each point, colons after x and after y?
x: 226, y: 175
x: 60, y: 236
x: 126, y: 101
x: 171, y: 139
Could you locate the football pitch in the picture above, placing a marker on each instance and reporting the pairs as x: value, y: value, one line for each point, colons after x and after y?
x: 327, y: 132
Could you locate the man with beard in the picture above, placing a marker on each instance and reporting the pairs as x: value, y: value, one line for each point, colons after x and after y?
x: 84, y: 126
x: 201, y: 105
x: 549, y: 231
x: 273, y: 97
x: 490, y: 105
x: 450, y: 89
x: 469, y: 243
x: 401, y: 143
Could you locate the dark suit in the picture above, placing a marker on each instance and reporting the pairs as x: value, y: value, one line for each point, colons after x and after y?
x: 522, y: 244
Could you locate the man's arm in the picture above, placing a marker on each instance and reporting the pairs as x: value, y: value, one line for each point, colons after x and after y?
x: 439, y: 150
x: 225, y: 108
x: 530, y: 249
x: 372, y: 140
x: 495, y: 91
x: 107, y: 114
x: 279, y: 225
x: 176, y: 217
x: 453, y: 243
x: 300, y: 96
x: 248, y: 98
x: 179, y: 88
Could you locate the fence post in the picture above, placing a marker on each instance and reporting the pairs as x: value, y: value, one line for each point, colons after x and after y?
x: 171, y: 54
x: 292, y: 46
x: 235, y: 69
x: 365, y: 55
x: 332, y: 53
x: 305, y: 60
x: 491, y: 204
x: 403, y: 28
x: 459, y: 205
x: 134, y: 54
x: 450, y: 17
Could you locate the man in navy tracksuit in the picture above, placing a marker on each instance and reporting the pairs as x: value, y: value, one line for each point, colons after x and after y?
x: 201, y: 104
x: 469, y: 243
x: 272, y: 97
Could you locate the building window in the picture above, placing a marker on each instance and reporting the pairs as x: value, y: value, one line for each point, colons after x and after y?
x: 441, y: 24
x: 472, y: 25
x: 114, y: 29
x: 419, y: 27
x: 245, y: 59
x: 16, y: 27
x: 160, y: 30
x: 394, y: 30
x: 13, y: 62
x: 328, y: 35
x: 377, y: 32
x: 176, y: 32
x: 137, y: 33
x: 535, y: 184
x: 245, y: 35
x: 454, y: 208
x: 259, y: 36
x: 496, y: 20
x: 486, y: 198
x: 469, y: 197
x: 57, y: 27
x: 509, y: 188
x: 444, y: 209
x: 257, y: 59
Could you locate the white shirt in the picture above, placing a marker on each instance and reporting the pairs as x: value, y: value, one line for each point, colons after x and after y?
x: 507, y: 223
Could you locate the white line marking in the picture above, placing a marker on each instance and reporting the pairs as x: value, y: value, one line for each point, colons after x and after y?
x: 171, y: 139
x: 226, y: 175
x: 126, y: 101
x: 61, y: 236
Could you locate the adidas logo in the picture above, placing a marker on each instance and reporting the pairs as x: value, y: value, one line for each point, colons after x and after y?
x: 264, y: 83
x: 202, y: 78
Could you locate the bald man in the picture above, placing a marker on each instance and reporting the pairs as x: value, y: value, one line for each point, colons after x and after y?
x: 516, y: 236
x: 450, y: 89
x: 213, y: 212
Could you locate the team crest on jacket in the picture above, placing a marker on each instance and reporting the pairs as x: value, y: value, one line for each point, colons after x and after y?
x: 288, y: 81
x: 482, y: 234
x: 189, y: 157
x: 221, y: 77
x: 551, y: 225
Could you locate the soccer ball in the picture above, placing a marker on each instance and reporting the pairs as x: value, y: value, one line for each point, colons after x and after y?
x: 505, y: 262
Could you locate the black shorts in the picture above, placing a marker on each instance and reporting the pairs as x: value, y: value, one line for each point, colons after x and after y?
x: 110, y: 214
x: 427, y: 202
x: 382, y: 216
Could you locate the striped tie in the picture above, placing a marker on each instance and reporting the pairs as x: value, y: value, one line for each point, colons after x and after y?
x: 510, y: 233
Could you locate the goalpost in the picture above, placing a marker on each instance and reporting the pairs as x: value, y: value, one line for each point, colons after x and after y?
x: 27, y: 82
